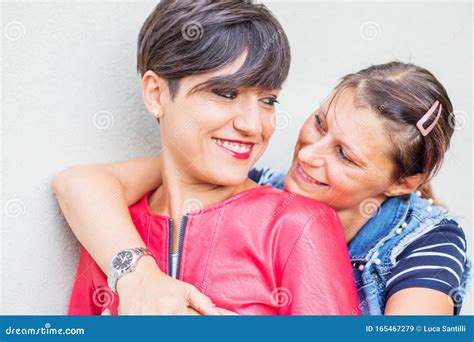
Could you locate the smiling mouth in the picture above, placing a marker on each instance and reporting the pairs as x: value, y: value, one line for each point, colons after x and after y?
x: 307, y: 178
x: 237, y: 149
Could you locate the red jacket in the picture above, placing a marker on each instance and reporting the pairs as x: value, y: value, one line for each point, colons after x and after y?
x: 263, y: 251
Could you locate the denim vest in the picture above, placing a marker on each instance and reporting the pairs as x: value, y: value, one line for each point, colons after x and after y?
x: 398, y: 222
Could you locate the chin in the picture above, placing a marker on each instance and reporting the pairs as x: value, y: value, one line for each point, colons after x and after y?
x: 228, y: 178
x: 291, y: 186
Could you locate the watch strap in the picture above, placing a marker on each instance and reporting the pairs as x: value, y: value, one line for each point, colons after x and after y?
x: 113, y: 275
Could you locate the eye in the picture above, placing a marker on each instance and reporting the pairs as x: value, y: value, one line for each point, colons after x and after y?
x: 271, y: 100
x: 344, y: 155
x: 228, y: 94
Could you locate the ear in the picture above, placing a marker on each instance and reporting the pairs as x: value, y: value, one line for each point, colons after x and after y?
x: 404, y: 186
x: 154, y: 93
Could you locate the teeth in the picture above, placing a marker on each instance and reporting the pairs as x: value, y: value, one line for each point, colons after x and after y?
x: 236, y: 147
x: 308, y: 178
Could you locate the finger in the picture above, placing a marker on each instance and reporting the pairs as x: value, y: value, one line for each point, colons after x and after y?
x: 201, y: 303
x: 226, y: 312
x: 191, y: 312
x: 106, y: 312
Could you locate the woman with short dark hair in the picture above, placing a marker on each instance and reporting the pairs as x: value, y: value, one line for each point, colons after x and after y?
x: 212, y: 88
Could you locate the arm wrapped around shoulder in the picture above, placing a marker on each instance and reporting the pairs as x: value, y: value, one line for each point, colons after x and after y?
x: 313, y: 264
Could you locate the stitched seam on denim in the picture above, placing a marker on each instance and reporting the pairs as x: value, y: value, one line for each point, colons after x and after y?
x: 414, y: 234
x: 382, y: 241
x: 390, y: 233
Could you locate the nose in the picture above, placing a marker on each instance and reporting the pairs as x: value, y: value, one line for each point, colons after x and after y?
x: 248, y: 120
x: 313, y: 155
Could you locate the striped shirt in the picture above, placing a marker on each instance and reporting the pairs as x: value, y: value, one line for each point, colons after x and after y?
x: 434, y: 260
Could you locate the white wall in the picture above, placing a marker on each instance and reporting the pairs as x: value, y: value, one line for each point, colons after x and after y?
x: 70, y: 95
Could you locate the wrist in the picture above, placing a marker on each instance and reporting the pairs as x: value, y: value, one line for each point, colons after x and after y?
x: 145, y: 267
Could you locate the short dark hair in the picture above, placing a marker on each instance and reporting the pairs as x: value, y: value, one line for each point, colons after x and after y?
x: 181, y: 38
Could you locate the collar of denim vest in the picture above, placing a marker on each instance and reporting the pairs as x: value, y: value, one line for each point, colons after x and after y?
x: 391, y: 214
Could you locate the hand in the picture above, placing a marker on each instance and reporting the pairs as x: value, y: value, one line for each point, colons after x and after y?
x: 225, y: 312
x: 191, y: 311
x: 149, y: 291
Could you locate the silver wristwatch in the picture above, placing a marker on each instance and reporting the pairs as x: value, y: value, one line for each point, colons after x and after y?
x: 122, y: 263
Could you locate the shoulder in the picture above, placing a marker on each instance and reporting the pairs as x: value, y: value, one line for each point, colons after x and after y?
x: 283, y: 215
x: 296, y: 218
x: 447, y: 237
x: 295, y: 226
x: 442, y: 248
x: 434, y: 260
x: 290, y: 207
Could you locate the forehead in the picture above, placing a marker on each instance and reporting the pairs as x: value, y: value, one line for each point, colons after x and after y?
x: 228, y: 69
x: 357, y: 126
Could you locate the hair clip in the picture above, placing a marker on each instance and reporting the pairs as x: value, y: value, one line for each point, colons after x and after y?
x: 425, y: 131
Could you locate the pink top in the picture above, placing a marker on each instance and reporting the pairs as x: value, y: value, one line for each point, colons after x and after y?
x: 263, y: 251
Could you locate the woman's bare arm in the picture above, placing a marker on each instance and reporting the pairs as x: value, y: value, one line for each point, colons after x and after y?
x: 94, y: 200
x: 419, y: 301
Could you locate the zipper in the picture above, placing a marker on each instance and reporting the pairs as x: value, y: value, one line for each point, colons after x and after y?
x: 170, y: 246
x: 180, y: 245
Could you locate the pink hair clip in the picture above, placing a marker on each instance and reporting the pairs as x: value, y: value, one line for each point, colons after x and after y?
x: 425, y: 131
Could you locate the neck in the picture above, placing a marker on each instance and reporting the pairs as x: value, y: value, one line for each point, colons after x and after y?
x: 353, y: 219
x: 352, y: 222
x: 180, y: 193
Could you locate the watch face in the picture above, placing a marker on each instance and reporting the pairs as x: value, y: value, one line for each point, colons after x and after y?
x: 123, y: 261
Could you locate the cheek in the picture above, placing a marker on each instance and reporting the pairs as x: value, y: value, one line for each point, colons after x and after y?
x: 180, y: 120
x: 268, y: 127
x: 340, y: 177
x: 347, y: 185
x: 350, y: 189
x: 202, y: 121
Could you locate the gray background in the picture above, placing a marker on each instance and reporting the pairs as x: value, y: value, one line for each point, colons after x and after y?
x: 70, y: 95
